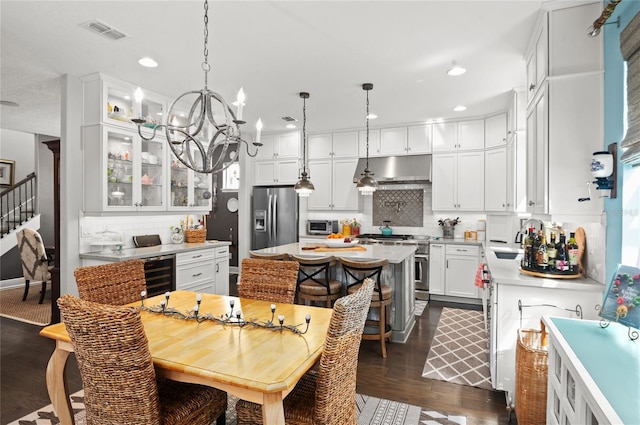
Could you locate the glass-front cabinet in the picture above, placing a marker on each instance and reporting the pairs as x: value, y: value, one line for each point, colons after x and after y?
x: 189, y: 189
x: 123, y: 172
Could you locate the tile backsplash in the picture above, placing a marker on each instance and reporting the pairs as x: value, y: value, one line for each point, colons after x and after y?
x: 403, y: 207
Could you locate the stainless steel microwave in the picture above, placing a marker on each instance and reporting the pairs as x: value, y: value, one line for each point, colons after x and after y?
x: 322, y: 227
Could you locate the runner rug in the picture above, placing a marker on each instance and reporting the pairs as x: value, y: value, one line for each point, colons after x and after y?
x: 459, y: 351
x: 29, y: 311
x: 372, y: 411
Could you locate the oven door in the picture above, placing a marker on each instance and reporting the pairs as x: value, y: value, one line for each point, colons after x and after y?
x: 422, y: 276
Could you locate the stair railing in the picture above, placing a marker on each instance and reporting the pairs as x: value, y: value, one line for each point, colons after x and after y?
x: 18, y: 204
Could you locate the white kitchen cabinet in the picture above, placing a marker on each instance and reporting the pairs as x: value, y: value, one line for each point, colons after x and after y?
x: 374, y: 143
x: 495, y: 131
x: 279, y: 146
x: 336, y: 145
x: 445, y: 136
x: 458, y: 181
x: 188, y: 189
x: 276, y: 172
x: 537, y: 154
x: 122, y: 171
x: 393, y: 141
x: 461, y: 265
x: 436, y: 268
x: 419, y: 139
x: 536, y: 58
x: 334, y: 187
x: 452, y: 270
x: 221, y: 277
x: 470, y: 135
x: 195, y: 271
x: 517, y: 113
x: 496, y: 180
x: 107, y: 100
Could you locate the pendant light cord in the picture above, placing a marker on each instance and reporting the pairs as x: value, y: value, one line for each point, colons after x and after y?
x: 205, y: 65
x: 304, y: 134
x: 367, y: 166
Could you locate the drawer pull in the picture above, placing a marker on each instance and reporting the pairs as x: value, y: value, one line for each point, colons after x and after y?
x: 196, y: 274
x: 196, y: 256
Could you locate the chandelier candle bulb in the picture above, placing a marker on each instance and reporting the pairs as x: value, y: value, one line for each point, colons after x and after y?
x: 241, y: 98
x: 258, y: 130
x: 198, y: 298
x: 281, y: 319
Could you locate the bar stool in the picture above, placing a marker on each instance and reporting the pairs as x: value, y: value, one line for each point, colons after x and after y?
x: 314, y: 282
x: 355, y: 272
x: 262, y: 256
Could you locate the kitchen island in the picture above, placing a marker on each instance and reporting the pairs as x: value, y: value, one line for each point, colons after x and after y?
x: 399, y: 274
x: 518, y: 301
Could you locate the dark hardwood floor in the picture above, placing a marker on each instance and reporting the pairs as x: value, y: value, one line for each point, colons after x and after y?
x: 24, y: 357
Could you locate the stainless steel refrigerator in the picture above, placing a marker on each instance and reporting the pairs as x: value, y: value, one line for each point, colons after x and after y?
x: 274, y: 216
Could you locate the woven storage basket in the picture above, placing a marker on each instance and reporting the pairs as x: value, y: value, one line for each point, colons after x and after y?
x: 195, y: 235
x: 531, y: 376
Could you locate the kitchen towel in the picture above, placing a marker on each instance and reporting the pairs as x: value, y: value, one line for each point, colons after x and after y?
x: 482, y: 276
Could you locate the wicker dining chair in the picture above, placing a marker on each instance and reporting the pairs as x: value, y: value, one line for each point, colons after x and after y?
x: 33, y: 257
x: 120, y: 383
x: 314, y: 280
x: 355, y: 272
x: 268, y: 280
x: 327, y: 396
x: 116, y: 283
x: 263, y: 256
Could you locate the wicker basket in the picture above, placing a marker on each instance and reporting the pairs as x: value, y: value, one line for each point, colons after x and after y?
x: 531, y: 376
x: 195, y: 235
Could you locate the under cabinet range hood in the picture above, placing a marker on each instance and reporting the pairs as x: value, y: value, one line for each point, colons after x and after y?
x: 397, y: 169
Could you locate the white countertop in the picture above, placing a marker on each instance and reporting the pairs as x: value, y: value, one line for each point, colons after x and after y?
x: 393, y: 253
x: 506, y: 271
x: 152, y: 251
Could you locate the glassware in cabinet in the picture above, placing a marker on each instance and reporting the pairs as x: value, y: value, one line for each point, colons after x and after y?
x: 119, y: 169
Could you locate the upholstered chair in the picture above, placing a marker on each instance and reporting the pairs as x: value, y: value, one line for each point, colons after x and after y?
x: 35, y: 266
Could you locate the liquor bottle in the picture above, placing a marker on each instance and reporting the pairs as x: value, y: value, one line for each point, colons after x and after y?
x: 543, y: 257
x: 529, y: 253
x: 572, y: 250
x: 551, y: 251
x: 562, y: 256
x: 535, y: 246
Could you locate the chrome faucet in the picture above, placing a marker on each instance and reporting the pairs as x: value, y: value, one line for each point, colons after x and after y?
x: 523, y: 230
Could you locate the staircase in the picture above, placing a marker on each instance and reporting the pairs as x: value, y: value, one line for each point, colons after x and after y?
x: 18, y: 210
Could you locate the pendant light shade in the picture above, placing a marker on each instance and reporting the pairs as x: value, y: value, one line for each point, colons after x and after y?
x: 304, y: 187
x: 367, y: 184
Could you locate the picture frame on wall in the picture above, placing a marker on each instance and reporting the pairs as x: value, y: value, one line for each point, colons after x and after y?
x: 7, y: 172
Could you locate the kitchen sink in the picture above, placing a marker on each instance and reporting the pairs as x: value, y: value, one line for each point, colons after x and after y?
x: 506, y: 255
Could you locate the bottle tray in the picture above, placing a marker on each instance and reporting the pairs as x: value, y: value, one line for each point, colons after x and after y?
x: 550, y: 275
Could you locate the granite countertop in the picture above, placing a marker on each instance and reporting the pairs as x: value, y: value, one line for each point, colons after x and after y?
x: 456, y: 241
x: 393, y: 253
x: 506, y: 271
x: 152, y: 251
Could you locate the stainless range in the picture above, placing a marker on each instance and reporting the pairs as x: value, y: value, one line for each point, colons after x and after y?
x: 421, y: 255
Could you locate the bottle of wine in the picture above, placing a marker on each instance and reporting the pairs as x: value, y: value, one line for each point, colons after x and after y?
x: 543, y: 257
x: 551, y: 251
x: 562, y: 256
x: 572, y: 249
x: 527, y: 261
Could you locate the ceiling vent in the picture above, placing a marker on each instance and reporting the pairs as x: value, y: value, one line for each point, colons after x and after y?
x: 289, y: 119
x: 103, y: 29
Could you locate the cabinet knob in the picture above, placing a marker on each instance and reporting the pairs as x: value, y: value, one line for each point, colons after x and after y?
x: 503, y: 205
x: 532, y: 86
x: 531, y: 203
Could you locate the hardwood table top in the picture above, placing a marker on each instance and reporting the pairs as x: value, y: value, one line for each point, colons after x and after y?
x: 255, y: 359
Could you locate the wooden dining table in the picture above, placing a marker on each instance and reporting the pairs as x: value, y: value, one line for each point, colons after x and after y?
x: 257, y: 364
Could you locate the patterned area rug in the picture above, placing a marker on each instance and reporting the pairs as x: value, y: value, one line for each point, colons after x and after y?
x: 372, y: 411
x: 29, y: 311
x: 459, y: 351
x: 420, y: 306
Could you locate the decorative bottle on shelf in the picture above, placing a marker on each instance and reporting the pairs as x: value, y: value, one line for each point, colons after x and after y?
x: 562, y: 256
x: 572, y: 250
x: 528, y: 246
x: 551, y: 251
x: 543, y: 257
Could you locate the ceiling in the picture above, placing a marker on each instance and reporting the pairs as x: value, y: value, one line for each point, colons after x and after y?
x: 274, y: 50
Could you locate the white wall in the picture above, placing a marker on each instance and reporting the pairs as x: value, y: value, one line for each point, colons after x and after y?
x: 19, y: 147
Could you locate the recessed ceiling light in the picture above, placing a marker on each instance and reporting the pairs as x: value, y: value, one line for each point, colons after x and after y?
x: 456, y: 70
x: 372, y: 116
x: 460, y: 108
x: 291, y: 126
x: 148, y: 62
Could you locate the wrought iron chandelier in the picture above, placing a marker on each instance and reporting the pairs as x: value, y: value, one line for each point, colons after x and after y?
x: 367, y: 184
x: 201, y: 139
x: 304, y: 187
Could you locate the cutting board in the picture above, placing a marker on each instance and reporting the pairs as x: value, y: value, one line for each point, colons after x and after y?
x: 323, y: 248
x: 581, y: 240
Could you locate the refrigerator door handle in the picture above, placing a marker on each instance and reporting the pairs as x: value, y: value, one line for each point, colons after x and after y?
x: 269, y: 218
x: 275, y: 218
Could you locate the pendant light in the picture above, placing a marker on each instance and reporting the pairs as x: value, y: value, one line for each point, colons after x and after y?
x: 367, y: 184
x: 304, y: 187
x: 201, y: 139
